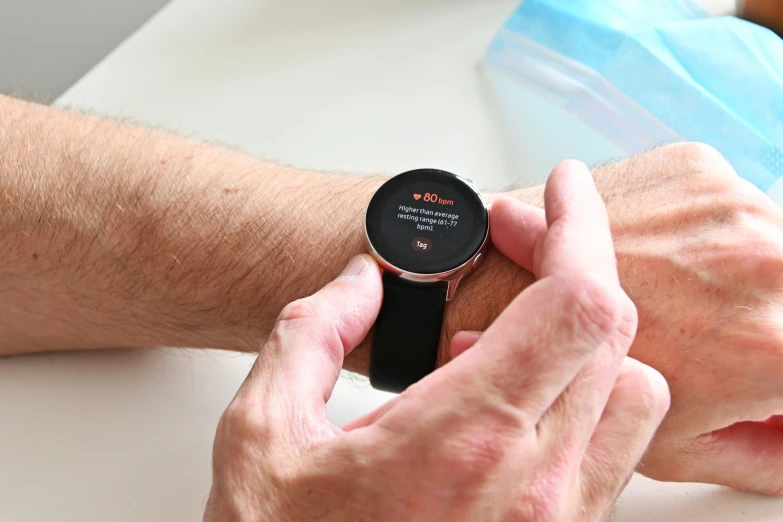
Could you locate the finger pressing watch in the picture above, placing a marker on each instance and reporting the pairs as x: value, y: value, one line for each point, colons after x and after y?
x: 427, y: 229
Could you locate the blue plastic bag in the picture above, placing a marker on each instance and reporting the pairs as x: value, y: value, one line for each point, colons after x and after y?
x: 641, y: 73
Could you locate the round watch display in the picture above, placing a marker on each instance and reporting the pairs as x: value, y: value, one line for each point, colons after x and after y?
x: 427, y: 221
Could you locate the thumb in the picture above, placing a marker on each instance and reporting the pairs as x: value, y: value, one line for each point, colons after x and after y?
x: 462, y: 342
x: 298, y: 366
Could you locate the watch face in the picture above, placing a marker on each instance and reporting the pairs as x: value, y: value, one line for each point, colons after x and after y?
x: 426, y: 221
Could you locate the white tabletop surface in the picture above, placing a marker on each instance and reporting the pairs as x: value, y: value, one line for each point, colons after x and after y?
x: 352, y: 85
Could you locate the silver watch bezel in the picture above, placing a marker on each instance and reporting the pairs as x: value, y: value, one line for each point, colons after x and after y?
x: 454, y: 276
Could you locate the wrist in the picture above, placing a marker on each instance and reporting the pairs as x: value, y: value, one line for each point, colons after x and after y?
x: 483, y: 295
x: 480, y: 298
x: 323, y: 237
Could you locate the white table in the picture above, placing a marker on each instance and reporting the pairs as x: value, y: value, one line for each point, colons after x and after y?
x: 352, y: 85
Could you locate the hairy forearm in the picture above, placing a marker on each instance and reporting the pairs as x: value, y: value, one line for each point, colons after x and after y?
x: 113, y: 235
x: 116, y: 236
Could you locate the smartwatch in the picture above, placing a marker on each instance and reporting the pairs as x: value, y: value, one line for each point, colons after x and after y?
x: 427, y: 229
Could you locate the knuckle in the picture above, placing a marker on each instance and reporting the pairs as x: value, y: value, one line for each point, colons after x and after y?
x: 702, y: 165
x: 701, y: 158
x: 629, y: 318
x: 702, y: 153
x: 650, y: 391
x: 749, y: 240
x: 242, y: 423
x: 319, y: 322
x: 744, y: 206
x: 599, y: 311
x: 754, y: 210
x: 240, y: 418
x: 472, y: 456
x: 296, y: 312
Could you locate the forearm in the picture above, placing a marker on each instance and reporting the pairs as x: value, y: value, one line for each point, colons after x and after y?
x: 116, y: 236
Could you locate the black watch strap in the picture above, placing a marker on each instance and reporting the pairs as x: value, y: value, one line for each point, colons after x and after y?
x: 407, y: 333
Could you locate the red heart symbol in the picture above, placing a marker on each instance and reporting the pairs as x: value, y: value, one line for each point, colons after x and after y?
x: 417, y: 197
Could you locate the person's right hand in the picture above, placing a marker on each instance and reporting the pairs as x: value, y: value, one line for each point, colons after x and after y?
x: 700, y: 252
x: 543, y: 419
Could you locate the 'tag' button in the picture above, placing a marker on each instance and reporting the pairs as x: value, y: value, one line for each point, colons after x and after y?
x: 421, y: 244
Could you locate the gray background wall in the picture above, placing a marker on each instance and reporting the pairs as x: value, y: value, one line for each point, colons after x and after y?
x: 46, y: 45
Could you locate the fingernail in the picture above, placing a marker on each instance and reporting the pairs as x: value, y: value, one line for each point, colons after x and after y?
x: 355, y: 267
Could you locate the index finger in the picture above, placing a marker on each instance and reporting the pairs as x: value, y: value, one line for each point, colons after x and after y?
x: 536, y: 347
x: 578, y: 238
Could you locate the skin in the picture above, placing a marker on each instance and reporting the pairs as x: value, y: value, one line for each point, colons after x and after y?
x: 118, y: 236
x: 522, y: 426
x: 768, y: 13
x: 702, y: 262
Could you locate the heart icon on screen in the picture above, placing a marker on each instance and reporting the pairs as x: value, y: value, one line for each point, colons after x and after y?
x: 417, y: 197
